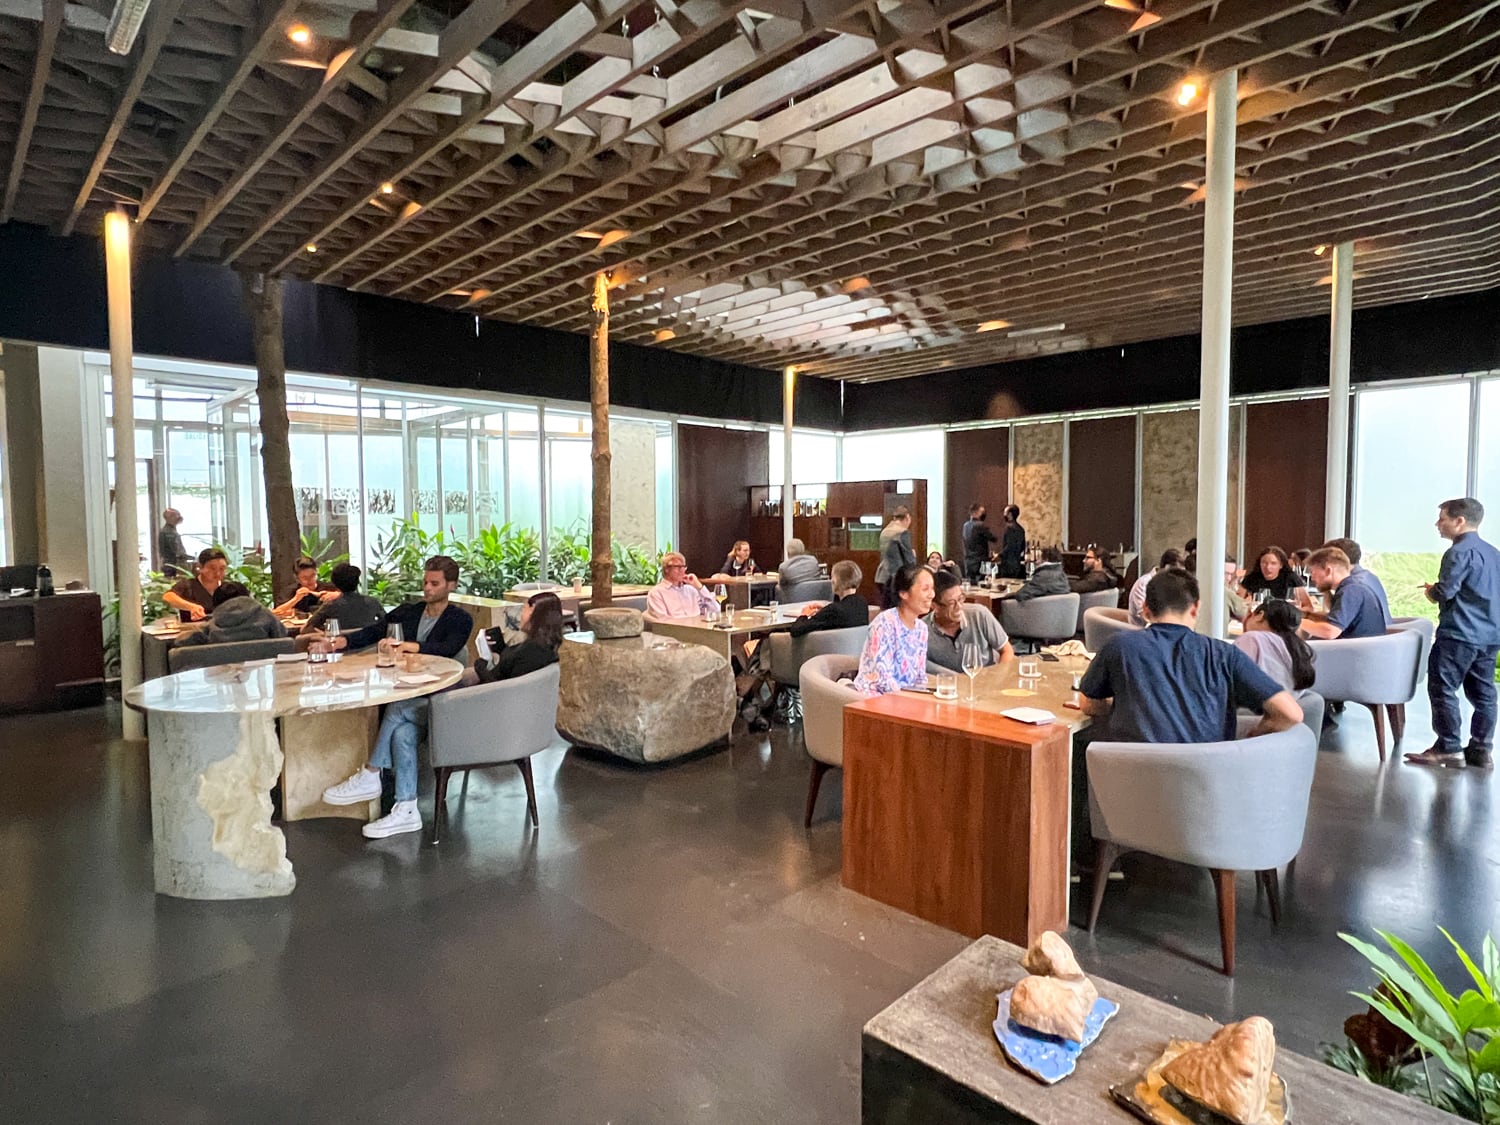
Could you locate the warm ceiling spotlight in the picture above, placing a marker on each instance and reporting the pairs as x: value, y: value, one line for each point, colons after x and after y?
x: 479, y: 295
x: 662, y: 335
x: 311, y: 247
x: 387, y: 188
x: 1320, y: 249
x: 855, y: 284
x: 610, y: 237
x: 300, y: 34
x: 590, y: 234
x: 1187, y: 93
x: 993, y: 326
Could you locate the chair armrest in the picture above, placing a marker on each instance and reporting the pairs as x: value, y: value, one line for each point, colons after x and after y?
x: 496, y: 722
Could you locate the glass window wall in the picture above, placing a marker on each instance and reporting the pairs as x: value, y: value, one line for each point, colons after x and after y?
x: 899, y: 455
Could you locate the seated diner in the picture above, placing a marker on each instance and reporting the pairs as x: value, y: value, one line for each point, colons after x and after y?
x: 679, y: 594
x: 848, y: 609
x: 954, y: 626
x: 895, y: 653
x: 196, y: 597
x: 308, y: 593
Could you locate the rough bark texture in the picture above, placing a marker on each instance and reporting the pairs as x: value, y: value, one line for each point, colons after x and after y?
x: 263, y: 300
x: 602, y: 562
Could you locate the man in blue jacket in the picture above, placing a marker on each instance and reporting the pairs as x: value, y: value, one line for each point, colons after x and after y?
x: 1467, y: 593
x: 433, y: 626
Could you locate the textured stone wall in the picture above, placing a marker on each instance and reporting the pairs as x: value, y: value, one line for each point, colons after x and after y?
x: 1038, y: 485
x: 1169, y: 480
x: 633, y: 480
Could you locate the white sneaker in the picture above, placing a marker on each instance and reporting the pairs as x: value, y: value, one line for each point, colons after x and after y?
x: 362, y: 785
x: 404, y: 817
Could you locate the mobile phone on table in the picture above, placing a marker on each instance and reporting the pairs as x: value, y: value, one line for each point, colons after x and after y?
x: 1049, y: 656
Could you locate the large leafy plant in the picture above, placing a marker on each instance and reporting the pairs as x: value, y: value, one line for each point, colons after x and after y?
x: 1456, y: 1037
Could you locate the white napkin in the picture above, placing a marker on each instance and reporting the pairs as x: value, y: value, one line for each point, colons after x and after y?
x: 1067, y: 648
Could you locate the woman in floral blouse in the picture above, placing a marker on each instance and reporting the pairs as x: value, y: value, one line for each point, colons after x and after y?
x: 895, y: 653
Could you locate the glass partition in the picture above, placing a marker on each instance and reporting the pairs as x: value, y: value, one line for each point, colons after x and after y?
x: 891, y: 456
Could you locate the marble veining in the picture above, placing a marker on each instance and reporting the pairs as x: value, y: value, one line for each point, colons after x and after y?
x: 242, y: 824
x: 1038, y: 484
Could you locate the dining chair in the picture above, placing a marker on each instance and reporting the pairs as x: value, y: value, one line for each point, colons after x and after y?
x: 809, y: 590
x: 181, y: 658
x: 1043, y: 620
x: 823, y: 700
x: 491, y: 725
x: 1426, y: 628
x: 1102, y: 623
x: 1380, y: 672
x: 788, y: 653
x: 1226, y: 806
x: 1095, y: 599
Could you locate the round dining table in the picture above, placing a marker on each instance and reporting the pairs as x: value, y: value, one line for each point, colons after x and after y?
x: 215, y: 753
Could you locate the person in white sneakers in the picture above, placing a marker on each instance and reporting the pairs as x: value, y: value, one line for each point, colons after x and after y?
x: 440, y: 629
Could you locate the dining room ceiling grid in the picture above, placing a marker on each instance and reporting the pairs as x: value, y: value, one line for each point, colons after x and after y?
x: 867, y: 190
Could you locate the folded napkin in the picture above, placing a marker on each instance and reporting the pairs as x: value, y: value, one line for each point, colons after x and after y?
x: 1067, y: 648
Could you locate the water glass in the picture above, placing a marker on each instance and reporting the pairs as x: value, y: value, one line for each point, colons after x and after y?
x: 1030, y: 668
x: 775, y: 607
x: 945, y: 685
x: 578, y: 585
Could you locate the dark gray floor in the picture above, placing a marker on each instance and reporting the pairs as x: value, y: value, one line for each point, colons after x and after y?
x: 671, y: 946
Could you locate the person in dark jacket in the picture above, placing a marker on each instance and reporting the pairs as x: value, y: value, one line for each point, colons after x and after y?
x: 847, y: 610
x: 896, y: 552
x: 238, y: 619
x: 1047, y: 579
x: 1013, y: 545
x: 978, y: 540
x: 434, y: 627
x: 542, y: 623
x: 1096, y: 575
x: 351, y: 609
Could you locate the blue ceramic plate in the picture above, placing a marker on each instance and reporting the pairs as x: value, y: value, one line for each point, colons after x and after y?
x: 1046, y: 1057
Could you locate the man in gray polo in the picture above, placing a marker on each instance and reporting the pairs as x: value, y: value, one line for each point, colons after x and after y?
x: 953, y: 623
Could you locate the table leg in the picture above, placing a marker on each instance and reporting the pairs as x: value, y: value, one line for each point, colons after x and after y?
x: 322, y: 748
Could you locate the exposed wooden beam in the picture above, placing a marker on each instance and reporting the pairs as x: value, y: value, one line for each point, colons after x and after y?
x: 46, y: 42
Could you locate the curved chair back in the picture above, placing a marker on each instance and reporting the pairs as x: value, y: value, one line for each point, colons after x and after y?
x: 823, y: 700
x: 1236, y: 806
x: 1103, y: 599
x: 789, y: 653
x: 181, y: 658
x: 1369, y: 670
x: 1099, y: 624
x: 492, y: 723
x: 1050, y: 618
x: 1312, y: 716
x: 808, y: 590
x: 1424, y: 627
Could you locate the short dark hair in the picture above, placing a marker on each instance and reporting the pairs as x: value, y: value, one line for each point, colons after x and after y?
x: 1012, y: 511
x: 1051, y: 554
x: 1173, y: 590
x: 975, y: 508
x: 1466, y: 508
x: 345, y: 578
x: 1170, y: 557
x: 305, y: 564
x: 901, y: 512
x: 1349, y: 547
x: 1191, y: 546
x: 906, y: 576
x: 208, y: 554
x: 445, y: 564
x: 943, y: 581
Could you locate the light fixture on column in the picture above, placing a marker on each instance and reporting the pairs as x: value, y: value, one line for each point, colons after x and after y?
x: 125, y: 24
x: 1320, y: 249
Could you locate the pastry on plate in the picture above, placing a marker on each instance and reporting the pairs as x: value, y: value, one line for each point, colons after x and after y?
x: 1231, y: 1073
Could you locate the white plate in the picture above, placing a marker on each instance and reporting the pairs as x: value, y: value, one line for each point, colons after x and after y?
x: 1036, y: 716
x: 416, y: 679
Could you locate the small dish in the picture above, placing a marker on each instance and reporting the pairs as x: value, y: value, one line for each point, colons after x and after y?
x: 1047, y: 1058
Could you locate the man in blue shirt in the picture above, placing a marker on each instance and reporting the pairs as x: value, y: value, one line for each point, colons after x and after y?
x: 1358, y: 573
x: 1467, y: 594
x: 1356, y: 609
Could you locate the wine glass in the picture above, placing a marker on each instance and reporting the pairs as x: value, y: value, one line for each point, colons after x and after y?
x: 385, y: 654
x: 331, y: 631
x: 721, y: 594
x: 973, y: 660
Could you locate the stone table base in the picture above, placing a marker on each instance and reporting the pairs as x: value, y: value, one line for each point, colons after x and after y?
x: 322, y: 749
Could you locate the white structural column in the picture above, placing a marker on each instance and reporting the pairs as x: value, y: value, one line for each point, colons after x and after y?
x: 788, y: 396
x: 127, y: 542
x: 1336, y: 492
x: 1213, y: 408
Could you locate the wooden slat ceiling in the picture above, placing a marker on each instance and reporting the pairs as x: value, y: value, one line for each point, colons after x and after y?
x: 851, y: 187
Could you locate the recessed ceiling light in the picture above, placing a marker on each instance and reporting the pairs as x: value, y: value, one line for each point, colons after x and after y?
x: 479, y: 295
x: 662, y: 335
x: 589, y: 234
x: 612, y: 236
x: 993, y: 325
x: 1187, y: 93
x: 1320, y: 249
x: 1037, y: 331
x: 311, y: 247
x: 300, y: 34
x: 387, y: 188
x: 855, y: 284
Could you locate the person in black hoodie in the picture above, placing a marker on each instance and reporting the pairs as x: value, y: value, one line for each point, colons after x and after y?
x: 238, y: 619
x: 542, y: 623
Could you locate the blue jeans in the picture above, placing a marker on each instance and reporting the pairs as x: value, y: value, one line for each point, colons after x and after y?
x: 402, y: 728
x: 1452, y: 665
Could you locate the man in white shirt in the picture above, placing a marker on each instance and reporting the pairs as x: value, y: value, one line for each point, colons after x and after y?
x: 678, y: 594
x: 1169, y: 558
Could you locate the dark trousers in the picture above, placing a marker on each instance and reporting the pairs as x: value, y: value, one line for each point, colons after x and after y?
x: 1452, y: 665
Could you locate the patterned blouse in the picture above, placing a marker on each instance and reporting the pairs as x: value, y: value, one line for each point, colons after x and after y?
x: 895, y: 656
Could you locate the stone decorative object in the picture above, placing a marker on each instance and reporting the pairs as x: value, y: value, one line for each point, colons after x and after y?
x: 1231, y: 1073
x: 1057, y: 998
x: 215, y: 756
x: 1047, y: 1058
x: 642, y: 703
x: 611, y: 623
x: 1050, y: 956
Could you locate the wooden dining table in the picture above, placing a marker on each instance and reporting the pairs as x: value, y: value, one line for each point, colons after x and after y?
x: 956, y: 813
x: 744, y: 625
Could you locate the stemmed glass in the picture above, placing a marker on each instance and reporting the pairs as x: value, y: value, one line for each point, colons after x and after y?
x: 331, y: 631
x: 385, y: 655
x: 721, y: 594
x: 973, y: 660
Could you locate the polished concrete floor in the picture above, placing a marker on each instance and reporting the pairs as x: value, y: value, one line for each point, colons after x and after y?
x: 671, y: 946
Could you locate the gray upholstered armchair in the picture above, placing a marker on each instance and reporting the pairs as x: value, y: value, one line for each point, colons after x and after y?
x: 788, y: 653
x: 489, y: 725
x: 181, y: 658
x: 1227, y: 806
x: 1100, y: 599
x: 1100, y: 624
x: 812, y: 590
x: 1053, y: 617
x: 823, y: 699
x: 1380, y: 672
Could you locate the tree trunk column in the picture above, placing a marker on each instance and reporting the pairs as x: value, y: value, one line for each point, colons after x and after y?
x: 601, y: 563
x: 263, y: 298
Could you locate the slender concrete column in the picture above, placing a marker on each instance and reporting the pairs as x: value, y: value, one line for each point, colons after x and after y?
x: 1213, y: 408
x: 1336, y: 491
x: 788, y: 396
x: 127, y: 543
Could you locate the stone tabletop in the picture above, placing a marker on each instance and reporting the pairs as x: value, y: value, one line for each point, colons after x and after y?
x: 285, y: 688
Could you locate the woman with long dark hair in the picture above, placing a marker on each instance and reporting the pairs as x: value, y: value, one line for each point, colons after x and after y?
x: 1272, y: 572
x: 542, y: 622
x: 1272, y: 641
x: 895, y: 654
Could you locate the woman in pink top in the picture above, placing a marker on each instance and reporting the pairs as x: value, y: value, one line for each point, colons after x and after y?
x: 895, y: 654
x: 1272, y: 641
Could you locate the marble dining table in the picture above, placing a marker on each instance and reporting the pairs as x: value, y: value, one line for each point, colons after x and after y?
x: 215, y: 752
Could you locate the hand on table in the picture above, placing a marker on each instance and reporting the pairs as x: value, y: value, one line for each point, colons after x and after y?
x: 196, y: 613
x: 809, y: 609
x: 409, y: 646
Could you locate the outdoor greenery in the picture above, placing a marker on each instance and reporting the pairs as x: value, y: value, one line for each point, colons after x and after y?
x: 1421, y: 1039
x: 1403, y: 576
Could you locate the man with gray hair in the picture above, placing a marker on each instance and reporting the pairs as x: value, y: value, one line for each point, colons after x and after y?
x: 798, y: 566
x: 678, y: 594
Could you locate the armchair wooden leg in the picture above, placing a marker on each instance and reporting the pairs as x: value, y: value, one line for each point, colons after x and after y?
x: 1105, y: 854
x: 1379, y: 715
x: 1397, y: 714
x: 525, y: 767
x: 440, y: 802
x: 813, y: 784
x: 1271, y: 882
x: 1224, y: 889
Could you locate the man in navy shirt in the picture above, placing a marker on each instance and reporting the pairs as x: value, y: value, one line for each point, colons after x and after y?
x: 1169, y: 684
x: 1356, y: 609
x: 1358, y: 573
x: 1467, y: 593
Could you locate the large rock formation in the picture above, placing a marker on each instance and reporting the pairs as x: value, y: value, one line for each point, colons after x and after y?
x: 645, y: 704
